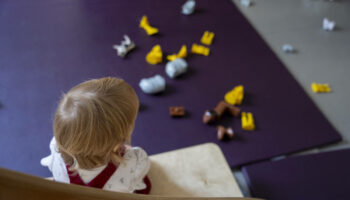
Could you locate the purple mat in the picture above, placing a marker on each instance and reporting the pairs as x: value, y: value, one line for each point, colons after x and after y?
x: 49, y: 46
x: 319, y: 176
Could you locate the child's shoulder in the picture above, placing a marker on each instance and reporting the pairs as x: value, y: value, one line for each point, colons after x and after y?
x: 135, y: 153
x: 135, y: 163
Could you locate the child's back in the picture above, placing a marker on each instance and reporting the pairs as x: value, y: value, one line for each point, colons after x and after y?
x: 92, y: 127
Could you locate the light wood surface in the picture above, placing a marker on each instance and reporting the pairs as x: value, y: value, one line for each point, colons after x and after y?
x: 15, y: 185
x: 195, y: 171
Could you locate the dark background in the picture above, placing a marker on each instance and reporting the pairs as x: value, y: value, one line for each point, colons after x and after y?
x: 49, y: 46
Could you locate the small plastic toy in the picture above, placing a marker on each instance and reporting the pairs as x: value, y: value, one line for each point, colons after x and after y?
x: 320, y: 88
x: 287, y: 48
x: 328, y: 25
x: 177, y: 111
x: 176, y: 67
x: 148, y: 28
x: 248, y: 121
x: 155, y: 56
x: 199, y: 49
x: 153, y: 84
x: 246, y: 3
x: 235, y: 96
x: 125, y: 46
x: 182, y: 54
x: 225, y: 133
x: 188, y: 7
x: 207, y: 38
x: 211, y: 116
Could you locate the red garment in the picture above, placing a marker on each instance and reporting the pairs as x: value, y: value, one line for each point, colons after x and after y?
x: 102, y: 178
x: 98, y: 182
x: 148, y: 187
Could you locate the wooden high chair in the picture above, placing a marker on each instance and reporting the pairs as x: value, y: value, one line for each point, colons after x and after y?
x: 186, y: 174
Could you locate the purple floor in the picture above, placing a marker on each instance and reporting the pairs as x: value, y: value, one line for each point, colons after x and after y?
x: 48, y: 46
x: 320, y: 176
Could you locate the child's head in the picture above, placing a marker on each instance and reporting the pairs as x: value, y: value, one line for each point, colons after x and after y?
x: 93, y: 119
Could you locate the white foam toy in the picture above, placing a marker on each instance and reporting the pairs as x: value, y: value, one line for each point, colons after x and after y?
x: 246, y: 3
x: 188, y: 7
x: 287, y: 48
x: 176, y: 67
x: 328, y: 25
x: 153, y: 84
x: 125, y: 46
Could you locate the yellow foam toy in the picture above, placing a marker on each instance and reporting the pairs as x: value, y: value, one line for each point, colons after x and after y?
x: 207, y: 38
x: 247, y: 121
x: 320, y: 88
x: 148, y: 28
x: 155, y: 56
x: 235, y: 96
x: 182, y: 54
x: 199, y: 49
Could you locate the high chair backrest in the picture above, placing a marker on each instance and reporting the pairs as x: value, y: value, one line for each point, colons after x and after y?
x: 194, y: 171
x: 15, y: 185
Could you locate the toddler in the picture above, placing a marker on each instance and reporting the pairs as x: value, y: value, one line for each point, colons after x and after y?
x: 92, y: 127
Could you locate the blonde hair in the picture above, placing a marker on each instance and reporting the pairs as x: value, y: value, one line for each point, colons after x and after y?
x: 94, y: 118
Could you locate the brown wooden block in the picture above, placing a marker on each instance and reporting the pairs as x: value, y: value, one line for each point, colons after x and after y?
x: 221, y: 108
x: 236, y: 112
x: 210, y: 116
x: 177, y: 111
x: 225, y: 133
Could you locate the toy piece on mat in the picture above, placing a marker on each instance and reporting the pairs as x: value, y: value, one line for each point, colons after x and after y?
x: 199, y: 49
x: 235, y: 96
x: 207, y: 38
x: 246, y: 3
x: 176, y: 67
x: 320, y: 88
x: 328, y: 25
x: 155, y: 56
x: 225, y: 133
x: 188, y: 7
x: 287, y: 48
x: 148, y: 28
x: 177, y: 111
x: 182, y: 54
x: 211, y: 116
x: 153, y: 84
x: 248, y: 121
x: 125, y: 46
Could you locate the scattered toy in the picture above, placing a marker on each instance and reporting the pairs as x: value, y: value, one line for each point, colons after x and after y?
x: 225, y: 133
x: 188, y: 7
x: 125, y: 46
x: 177, y: 111
x: 153, y: 84
x: 182, y: 54
x: 287, y: 48
x: 235, y: 96
x: 207, y: 38
x: 328, y: 25
x: 148, y: 28
x: 199, y: 49
x: 155, y: 56
x: 211, y: 116
x: 176, y: 67
x: 246, y: 3
x: 320, y: 88
x: 247, y: 121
